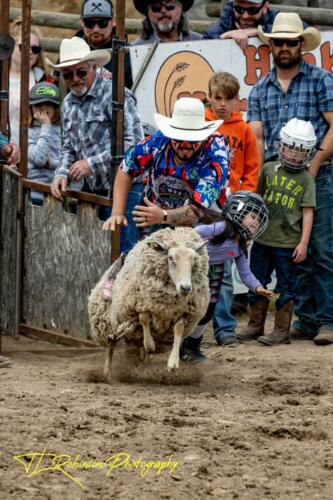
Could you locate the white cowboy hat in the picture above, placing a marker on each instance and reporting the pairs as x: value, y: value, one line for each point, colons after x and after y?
x: 75, y: 50
x: 187, y: 122
x: 289, y: 25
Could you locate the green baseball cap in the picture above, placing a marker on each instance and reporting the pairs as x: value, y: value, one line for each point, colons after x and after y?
x: 44, y: 92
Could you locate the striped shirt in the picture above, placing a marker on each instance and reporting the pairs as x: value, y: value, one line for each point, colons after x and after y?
x: 309, y: 94
x: 169, y: 184
x: 86, y: 131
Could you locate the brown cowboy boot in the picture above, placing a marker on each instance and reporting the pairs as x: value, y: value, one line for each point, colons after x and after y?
x: 256, y: 324
x: 280, y: 333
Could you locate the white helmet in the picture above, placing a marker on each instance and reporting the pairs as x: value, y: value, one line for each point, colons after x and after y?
x: 297, y: 144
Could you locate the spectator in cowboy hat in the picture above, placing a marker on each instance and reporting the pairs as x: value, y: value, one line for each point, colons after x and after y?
x: 165, y: 21
x: 98, y: 23
x: 86, y: 115
x: 297, y: 89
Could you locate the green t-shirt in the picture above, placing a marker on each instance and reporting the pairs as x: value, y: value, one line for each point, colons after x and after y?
x: 285, y: 194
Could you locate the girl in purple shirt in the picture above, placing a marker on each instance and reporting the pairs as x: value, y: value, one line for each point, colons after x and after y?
x: 245, y: 217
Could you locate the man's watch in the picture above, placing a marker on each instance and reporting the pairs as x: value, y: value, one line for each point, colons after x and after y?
x: 165, y: 215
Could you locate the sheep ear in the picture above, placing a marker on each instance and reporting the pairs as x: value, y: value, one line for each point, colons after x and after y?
x: 198, y: 246
x: 158, y: 245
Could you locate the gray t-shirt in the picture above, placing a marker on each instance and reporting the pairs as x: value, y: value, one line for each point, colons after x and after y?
x: 285, y: 194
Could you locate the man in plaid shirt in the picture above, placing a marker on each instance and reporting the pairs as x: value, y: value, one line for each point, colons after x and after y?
x: 86, y: 120
x: 294, y: 88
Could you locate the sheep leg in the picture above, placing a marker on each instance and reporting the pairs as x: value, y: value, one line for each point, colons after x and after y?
x: 178, y: 331
x: 108, y: 361
x: 148, y: 341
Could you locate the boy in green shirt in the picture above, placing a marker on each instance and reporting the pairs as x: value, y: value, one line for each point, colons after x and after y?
x: 289, y: 192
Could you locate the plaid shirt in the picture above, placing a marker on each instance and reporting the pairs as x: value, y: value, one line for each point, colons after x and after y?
x: 86, y: 131
x: 170, y: 185
x: 310, y: 94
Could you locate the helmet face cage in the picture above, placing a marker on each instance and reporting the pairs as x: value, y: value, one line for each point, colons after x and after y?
x: 295, y: 158
x: 249, y: 213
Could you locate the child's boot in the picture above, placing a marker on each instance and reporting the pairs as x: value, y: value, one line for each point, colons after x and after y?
x: 190, y: 348
x: 256, y: 324
x: 280, y: 333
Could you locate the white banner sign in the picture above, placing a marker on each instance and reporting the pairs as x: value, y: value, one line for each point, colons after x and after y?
x: 163, y: 73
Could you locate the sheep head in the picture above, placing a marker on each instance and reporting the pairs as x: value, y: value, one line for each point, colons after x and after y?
x: 181, y: 260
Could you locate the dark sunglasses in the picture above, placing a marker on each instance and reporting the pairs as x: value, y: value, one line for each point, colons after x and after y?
x: 101, y: 23
x: 35, y: 49
x: 194, y: 144
x: 157, y: 7
x: 252, y: 11
x: 279, y: 42
x: 80, y: 73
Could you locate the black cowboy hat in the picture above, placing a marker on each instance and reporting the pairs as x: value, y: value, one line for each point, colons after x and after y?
x: 7, y: 44
x: 141, y: 5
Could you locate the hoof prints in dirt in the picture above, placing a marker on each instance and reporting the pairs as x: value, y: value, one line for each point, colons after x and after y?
x: 292, y: 433
x: 271, y: 385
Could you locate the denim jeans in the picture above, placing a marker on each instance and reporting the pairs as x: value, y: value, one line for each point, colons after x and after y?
x: 224, y: 322
x: 263, y: 261
x: 314, y: 285
x: 129, y: 234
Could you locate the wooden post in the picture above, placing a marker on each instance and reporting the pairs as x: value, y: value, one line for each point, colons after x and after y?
x: 24, y: 98
x: 4, y: 73
x: 24, y: 123
x: 118, y: 92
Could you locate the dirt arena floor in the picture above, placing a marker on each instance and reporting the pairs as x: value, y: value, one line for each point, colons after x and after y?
x: 255, y: 423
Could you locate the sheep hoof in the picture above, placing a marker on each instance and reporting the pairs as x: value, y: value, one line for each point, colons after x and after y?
x: 146, y: 358
x: 149, y: 345
x: 173, y: 364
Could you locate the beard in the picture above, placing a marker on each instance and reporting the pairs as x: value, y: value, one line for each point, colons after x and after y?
x: 80, y: 93
x: 165, y: 28
x: 284, y: 62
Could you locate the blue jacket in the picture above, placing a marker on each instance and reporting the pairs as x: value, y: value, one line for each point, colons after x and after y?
x: 227, y: 22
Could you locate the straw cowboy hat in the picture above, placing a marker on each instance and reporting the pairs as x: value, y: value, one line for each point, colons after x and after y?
x: 142, y: 5
x: 187, y: 122
x: 75, y: 50
x: 289, y: 25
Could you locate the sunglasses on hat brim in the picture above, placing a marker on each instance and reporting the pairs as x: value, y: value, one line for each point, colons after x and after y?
x: 251, y: 11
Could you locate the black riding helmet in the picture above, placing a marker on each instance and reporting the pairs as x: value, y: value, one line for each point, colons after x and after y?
x: 243, y: 203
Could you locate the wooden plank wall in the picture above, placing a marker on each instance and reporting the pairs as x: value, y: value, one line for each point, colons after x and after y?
x: 8, y: 210
x: 64, y: 256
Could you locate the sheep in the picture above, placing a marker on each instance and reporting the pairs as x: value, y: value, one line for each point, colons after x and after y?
x: 160, y: 293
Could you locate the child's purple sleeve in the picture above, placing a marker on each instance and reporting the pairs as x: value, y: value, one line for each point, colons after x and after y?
x: 245, y: 273
x: 207, y: 231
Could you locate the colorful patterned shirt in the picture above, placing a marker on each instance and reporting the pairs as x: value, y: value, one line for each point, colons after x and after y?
x: 3, y: 142
x: 170, y: 185
x: 310, y: 94
x: 86, y: 131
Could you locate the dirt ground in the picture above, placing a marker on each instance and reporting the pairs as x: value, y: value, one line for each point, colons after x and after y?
x: 254, y: 423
